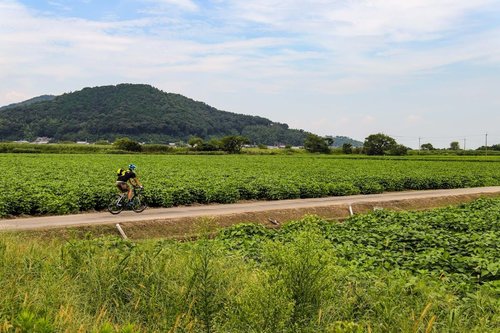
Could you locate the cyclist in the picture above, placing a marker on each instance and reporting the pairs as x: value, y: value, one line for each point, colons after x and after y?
x: 125, y: 176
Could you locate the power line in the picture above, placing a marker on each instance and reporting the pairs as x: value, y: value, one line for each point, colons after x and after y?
x: 467, y: 140
x: 442, y: 137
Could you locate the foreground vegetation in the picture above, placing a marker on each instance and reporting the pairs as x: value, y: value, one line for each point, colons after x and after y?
x: 433, y: 271
x: 35, y: 184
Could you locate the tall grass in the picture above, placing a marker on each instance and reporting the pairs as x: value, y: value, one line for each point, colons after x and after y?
x: 111, y: 285
x: 247, y: 279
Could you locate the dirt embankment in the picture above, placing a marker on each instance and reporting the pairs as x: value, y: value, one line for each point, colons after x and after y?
x: 190, y: 227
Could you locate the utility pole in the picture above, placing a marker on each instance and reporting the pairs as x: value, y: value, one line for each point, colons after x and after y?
x: 465, y: 140
x: 419, y: 146
x: 486, y: 144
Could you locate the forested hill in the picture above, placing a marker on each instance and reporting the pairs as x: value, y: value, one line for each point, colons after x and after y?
x: 30, y: 101
x: 140, y: 112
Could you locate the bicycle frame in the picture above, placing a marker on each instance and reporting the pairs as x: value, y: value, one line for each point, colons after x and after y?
x: 137, y: 205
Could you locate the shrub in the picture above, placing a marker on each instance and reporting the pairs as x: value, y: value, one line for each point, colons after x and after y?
x: 127, y: 144
x: 233, y: 143
x: 156, y: 148
x: 378, y: 144
x: 316, y: 144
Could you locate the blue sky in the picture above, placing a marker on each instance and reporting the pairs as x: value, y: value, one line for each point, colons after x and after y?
x: 427, y: 69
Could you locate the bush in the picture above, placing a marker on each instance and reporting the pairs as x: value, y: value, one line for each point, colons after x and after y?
x: 316, y: 144
x: 156, y: 148
x: 378, y: 144
x: 127, y: 145
x: 233, y: 143
x: 398, y: 150
x: 347, y: 148
x: 102, y: 142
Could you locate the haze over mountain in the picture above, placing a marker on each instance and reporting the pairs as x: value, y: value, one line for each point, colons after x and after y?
x: 137, y: 111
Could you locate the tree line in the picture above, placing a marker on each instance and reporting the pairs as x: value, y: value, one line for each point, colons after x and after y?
x: 376, y: 144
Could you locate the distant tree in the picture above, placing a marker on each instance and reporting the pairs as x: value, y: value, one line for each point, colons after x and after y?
x: 195, y: 141
x: 427, y: 146
x: 378, y: 144
x: 127, y: 144
x: 316, y: 144
x: 216, y: 143
x: 454, y: 145
x: 329, y: 140
x: 181, y: 143
x: 398, y: 150
x: 493, y: 147
x: 212, y: 145
x: 357, y: 150
x: 233, y: 143
x: 347, y: 148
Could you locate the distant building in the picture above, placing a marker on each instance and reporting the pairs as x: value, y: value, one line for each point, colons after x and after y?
x: 82, y: 142
x: 41, y: 140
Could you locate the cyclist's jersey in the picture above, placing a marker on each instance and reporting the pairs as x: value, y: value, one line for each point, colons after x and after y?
x: 126, y: 176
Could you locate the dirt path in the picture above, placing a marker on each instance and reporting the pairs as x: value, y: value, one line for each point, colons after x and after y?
x: 273, y: 211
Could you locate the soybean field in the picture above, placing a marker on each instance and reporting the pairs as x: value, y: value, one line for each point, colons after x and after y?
x: 39, y: 184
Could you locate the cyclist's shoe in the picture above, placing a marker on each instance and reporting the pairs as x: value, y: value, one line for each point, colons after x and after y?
x: 130, y: 204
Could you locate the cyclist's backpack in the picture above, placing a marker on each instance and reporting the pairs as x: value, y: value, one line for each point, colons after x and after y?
x: 120, y: 172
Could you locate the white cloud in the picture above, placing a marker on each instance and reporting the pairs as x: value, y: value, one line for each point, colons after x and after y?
x: 276, y: 56
x: 182, y: 4
x: 413, y: 119
x: 368, y: 119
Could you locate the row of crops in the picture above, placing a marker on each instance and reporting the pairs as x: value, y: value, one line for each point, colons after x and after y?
x: 433, y: 271
x: 458, y: 244
x: 35, y: 184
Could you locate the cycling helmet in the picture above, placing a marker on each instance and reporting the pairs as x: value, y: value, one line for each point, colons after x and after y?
x: 131, y: 166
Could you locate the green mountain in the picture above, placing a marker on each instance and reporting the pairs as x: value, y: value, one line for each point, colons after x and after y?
x: 30, y: 101
x: 140, y: 112
x: 338, y: 141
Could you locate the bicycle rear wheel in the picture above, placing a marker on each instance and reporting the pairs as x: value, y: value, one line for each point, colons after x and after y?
x: 138, y: 205
x: 115, y: 205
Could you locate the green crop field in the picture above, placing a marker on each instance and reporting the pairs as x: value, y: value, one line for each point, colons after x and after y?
x: 434, y: 271
x: 36, y: 184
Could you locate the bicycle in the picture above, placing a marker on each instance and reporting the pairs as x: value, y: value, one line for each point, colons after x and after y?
x: 119, y: 202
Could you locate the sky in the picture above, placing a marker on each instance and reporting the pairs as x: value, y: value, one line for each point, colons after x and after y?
x: 421, y: 71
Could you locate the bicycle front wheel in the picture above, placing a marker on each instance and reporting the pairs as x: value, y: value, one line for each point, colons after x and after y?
x: 115, y: 205
x: 138, y: 205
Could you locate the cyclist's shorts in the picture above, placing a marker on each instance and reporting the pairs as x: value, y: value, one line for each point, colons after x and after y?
x: 122, y: 186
